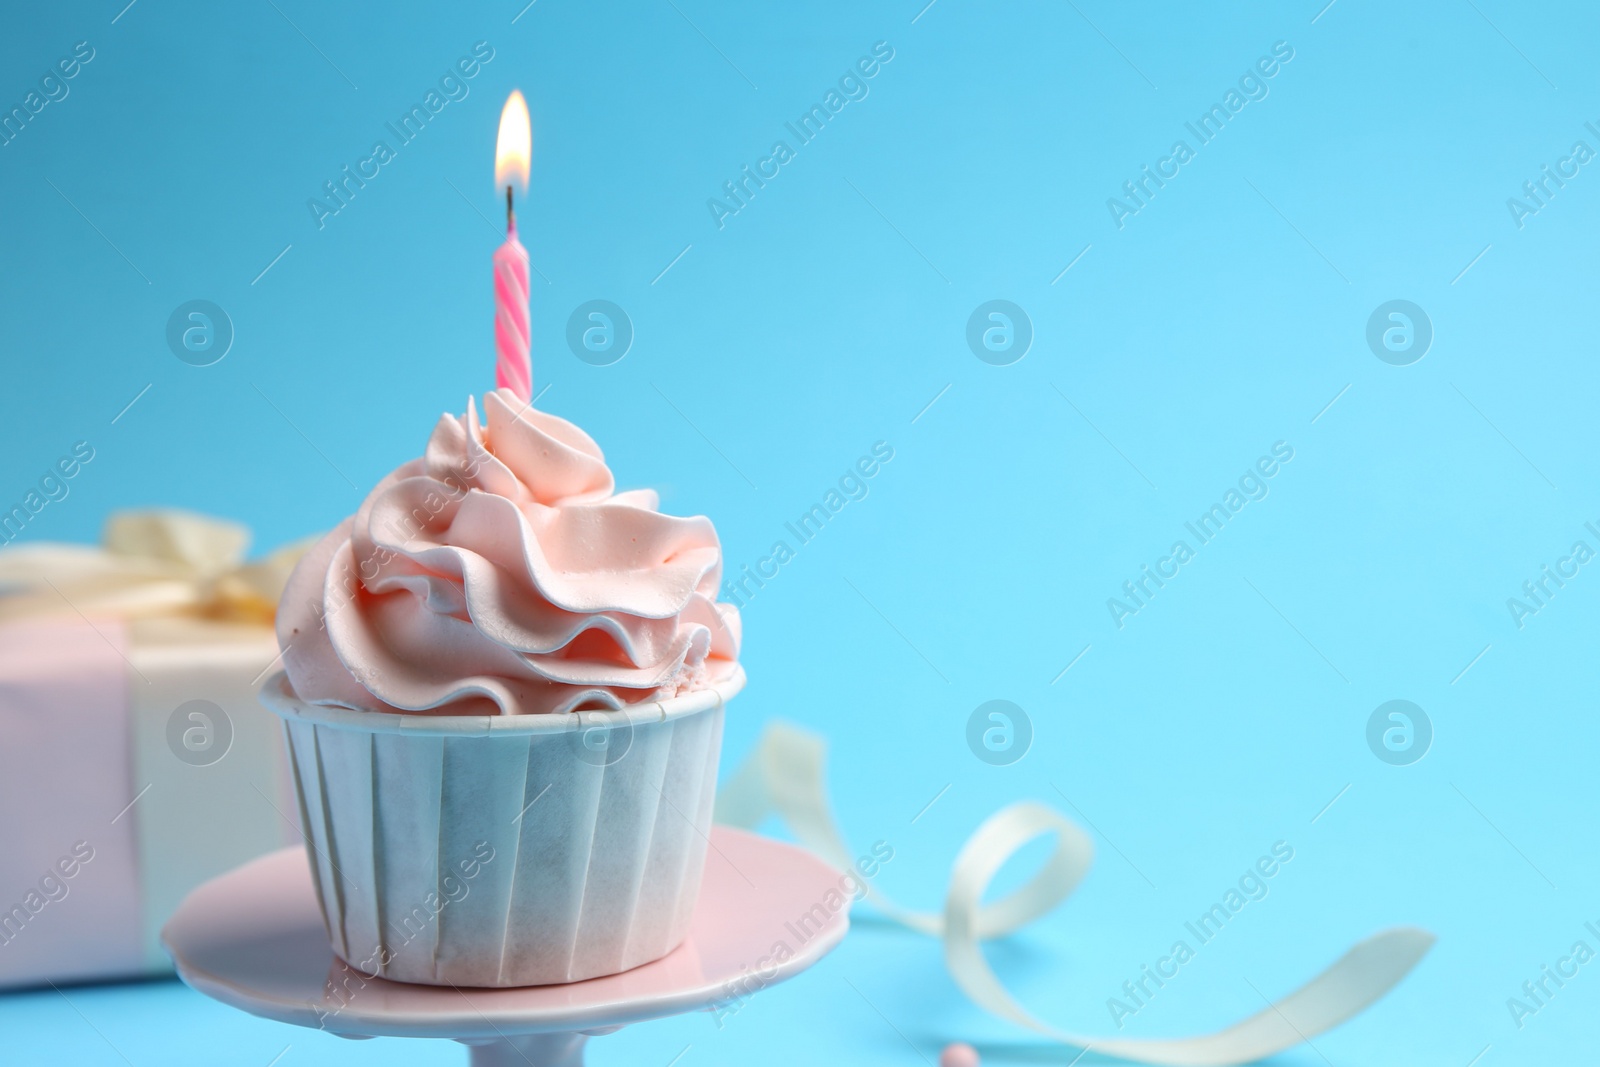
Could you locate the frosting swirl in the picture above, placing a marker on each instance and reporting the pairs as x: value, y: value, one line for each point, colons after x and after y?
x: 500, y: 574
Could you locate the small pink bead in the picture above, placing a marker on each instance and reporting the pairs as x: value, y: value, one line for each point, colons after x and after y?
x: 958, y: 1055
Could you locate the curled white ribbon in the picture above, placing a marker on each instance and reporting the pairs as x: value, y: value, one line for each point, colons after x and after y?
x: 786, y: 776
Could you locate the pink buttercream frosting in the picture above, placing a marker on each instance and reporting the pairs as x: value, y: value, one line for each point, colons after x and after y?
x: 501, y: 574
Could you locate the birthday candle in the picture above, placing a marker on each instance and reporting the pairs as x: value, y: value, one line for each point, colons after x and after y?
x: 513, y: 150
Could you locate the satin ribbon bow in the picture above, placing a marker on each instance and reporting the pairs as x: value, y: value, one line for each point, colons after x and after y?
x: 150, y: 563
x: 786, y: 776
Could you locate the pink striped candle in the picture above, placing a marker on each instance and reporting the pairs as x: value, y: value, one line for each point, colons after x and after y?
x: 513, y: 155
x: 513, y: 363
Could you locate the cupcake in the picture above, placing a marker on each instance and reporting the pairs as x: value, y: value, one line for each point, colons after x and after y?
x: 503, y: 692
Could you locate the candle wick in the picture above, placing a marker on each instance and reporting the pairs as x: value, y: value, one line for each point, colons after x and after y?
x: 511, y: 215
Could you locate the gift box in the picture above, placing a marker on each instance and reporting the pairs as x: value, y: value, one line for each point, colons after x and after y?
x: 135, y: 759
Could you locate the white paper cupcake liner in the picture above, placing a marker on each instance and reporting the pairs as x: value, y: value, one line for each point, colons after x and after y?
x: 505, y: 850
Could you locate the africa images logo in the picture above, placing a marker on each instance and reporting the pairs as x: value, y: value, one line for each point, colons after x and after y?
x: 1252, y: 85
x: 1252, y: 485
x: 852, y: 87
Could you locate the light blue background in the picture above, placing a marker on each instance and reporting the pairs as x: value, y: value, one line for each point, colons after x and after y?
x: 824, y: 317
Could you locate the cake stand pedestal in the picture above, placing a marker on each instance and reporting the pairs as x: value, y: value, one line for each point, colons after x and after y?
x: 254, y: 939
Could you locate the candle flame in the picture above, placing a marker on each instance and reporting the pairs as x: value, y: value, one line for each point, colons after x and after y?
x: 513, y: 148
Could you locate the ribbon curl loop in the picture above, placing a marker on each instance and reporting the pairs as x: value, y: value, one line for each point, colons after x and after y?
x: 786, y: 776
x: 150, y: 563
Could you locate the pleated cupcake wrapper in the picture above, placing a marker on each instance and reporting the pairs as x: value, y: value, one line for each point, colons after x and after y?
x: 506, y: 850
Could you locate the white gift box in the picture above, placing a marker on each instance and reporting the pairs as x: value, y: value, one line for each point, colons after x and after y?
x: 108, y: 819
x: 135, y: 759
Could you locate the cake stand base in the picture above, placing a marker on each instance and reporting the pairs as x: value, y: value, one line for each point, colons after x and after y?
x: 533, y: 1050
x: 254, y: 939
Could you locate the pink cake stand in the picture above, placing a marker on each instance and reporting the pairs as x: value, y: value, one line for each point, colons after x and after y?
x: 254, y: 939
